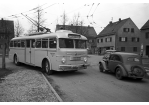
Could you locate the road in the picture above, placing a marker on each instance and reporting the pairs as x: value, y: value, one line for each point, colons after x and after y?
x: 90, y: 85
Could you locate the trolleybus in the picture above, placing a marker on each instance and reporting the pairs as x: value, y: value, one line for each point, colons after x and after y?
x: 59, y: 51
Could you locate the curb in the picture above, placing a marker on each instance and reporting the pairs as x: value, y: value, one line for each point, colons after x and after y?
x: 58, y: 97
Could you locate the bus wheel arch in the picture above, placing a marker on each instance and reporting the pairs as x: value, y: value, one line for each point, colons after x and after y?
x: 46, y: 66
x: 15, y: 59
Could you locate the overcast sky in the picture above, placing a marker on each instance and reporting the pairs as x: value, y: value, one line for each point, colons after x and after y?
x: 99, y: 15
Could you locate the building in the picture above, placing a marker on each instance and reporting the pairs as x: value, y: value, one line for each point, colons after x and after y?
x: 122, y: 35
x: 145, y: 39
x: 6, y: 33
x: 87, y: 31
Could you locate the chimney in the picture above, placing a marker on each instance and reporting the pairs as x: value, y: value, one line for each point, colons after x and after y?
x: 110, y: 22
x: 119, y: 19
x: 88, y: 25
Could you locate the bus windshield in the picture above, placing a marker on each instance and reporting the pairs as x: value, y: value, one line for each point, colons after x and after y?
x: 71, y: 43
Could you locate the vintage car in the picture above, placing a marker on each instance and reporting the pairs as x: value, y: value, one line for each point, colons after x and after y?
x: 107, y: 53
x: 123, y: 65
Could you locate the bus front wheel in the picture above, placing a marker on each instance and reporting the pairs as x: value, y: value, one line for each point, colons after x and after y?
x: 46, y: 67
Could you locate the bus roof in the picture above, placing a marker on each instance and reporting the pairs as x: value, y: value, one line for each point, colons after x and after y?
x: 58, y: 34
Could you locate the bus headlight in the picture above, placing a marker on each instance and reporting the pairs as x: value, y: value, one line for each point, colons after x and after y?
x: 63, y: 60
x: 85, y: 59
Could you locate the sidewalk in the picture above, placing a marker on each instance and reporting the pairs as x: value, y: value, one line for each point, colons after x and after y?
x: 23, y: 85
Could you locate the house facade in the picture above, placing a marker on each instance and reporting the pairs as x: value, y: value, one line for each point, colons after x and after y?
x: 122, y: 35
x: 145, y: 39
x: 86, y: 31
x: 6, y: 33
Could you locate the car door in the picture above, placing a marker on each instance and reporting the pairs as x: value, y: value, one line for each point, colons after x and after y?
x: 114, y: 60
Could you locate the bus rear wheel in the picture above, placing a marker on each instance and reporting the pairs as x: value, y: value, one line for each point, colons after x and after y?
x: 46, y: 67
x: 16, y: 60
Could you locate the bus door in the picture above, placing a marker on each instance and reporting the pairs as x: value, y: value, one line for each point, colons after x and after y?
x: 30, y: 53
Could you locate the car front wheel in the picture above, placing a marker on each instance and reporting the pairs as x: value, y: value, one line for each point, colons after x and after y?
x: 101, y: 67
x: 119, y: 74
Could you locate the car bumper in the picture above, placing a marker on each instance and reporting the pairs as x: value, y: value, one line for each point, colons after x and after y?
x: 73, y: 67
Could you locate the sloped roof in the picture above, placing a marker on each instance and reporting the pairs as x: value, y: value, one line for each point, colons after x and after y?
x: 145, y: 26
x: 112, y: 28
x: 84, y: 30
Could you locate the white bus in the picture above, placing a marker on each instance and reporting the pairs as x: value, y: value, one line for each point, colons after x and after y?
x: 60, y: 51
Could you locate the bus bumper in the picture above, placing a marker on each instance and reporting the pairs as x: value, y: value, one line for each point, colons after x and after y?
x: 73, y: 67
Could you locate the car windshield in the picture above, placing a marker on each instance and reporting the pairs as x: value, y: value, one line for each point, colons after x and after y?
x: 71, y: 43
x: 133, y: 59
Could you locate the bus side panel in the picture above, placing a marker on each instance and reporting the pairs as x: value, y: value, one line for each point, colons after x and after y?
x: 52, y: 54
x: 21, y: 54
x: 40, y: 54
x: 11, y: 53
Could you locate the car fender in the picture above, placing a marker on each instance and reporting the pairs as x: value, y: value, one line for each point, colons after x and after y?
x: 104, y: 64
x: 123, y: 70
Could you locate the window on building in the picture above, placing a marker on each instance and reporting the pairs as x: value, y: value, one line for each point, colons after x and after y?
x: 125, y: 29
x: 90, y: 40
x: 123, y: 39
x: 147, y: 35
x: 122, y: 48
x: 132, y: 30
x: 135, y: 49
x: 97, y: 40
x: 101, y: 40
x: 135, y: 39
x: 105, y: 39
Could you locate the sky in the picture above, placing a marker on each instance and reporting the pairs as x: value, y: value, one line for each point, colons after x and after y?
x: 91, y: 12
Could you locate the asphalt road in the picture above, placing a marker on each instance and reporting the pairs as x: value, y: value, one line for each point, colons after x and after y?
x: 90, y: 85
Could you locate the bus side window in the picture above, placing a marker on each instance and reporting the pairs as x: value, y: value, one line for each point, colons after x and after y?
x: 44, y: 43
x: 28, y: 43
x: 33, y: 43
x: 15, y: 43
x: 11, y: 43
x: 19, y: 44
x: 52, y: 43
x: 22, y: 43
x: 38, y: 43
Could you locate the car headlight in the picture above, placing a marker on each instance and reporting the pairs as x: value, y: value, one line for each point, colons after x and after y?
x: 63, y: 60
x: 85, y: 59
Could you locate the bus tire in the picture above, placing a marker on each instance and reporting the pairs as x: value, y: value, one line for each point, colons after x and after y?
x: 46, y: 67
x: 16, y: 60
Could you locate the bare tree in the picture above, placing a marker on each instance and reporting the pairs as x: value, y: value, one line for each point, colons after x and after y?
x: 64, y: 19
x: 18, y: 28
x: 77, y: 25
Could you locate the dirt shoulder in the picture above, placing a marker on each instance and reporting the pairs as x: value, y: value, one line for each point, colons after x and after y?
x: 24, y: 85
